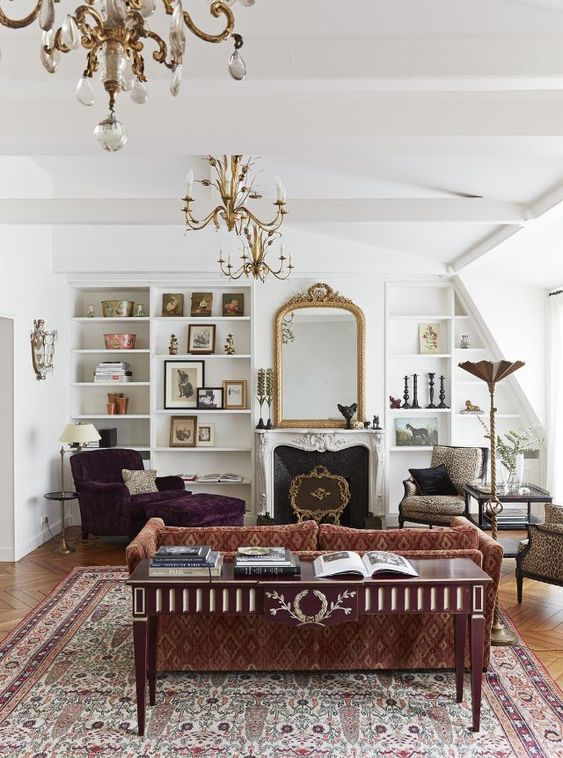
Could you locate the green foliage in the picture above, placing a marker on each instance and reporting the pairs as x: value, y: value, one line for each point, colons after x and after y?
x: 514, y: 442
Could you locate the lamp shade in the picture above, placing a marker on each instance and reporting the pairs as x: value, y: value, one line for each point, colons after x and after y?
x: 79, y: 434
x: 491, y: 371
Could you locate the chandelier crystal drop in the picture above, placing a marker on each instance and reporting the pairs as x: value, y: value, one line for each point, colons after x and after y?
x: 110, y: 134
x: 116, y: 37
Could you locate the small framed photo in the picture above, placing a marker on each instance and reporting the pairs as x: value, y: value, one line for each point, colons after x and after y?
x: 202, y: 303
x: 201, y: 338
x: 416, y: 432
x: 181, y: 380
x: 172, y: 304
x: 233, y: 304
x: 234, y: 393
x: 429, y: 338
x: 210, y: 398
x: 205, y: 435
x: 183, y: 431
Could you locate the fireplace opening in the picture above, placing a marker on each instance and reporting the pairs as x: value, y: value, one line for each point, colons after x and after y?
x: 352, y: 463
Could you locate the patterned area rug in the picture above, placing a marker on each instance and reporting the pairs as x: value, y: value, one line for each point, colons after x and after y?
x: 67, y: 689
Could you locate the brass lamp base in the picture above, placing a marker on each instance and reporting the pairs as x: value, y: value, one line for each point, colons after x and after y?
x: 501, y: 636
x: 63, y: 548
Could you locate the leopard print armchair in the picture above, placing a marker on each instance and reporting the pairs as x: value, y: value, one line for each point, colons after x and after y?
x: 540, y: 557
x: 463, y: 464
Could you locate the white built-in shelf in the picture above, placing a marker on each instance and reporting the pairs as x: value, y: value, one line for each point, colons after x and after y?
x: 420, y: 410
x: 113, y: 417
x: 420, y: 355
x: 411, y: 449
x: 109, y: 319
x: 111, y: 384
x: 139, y: 448
x: 189, y: 356
x: 196, y: 482
x: 200, y: 318
x: 470, y: 349
x: 105, y: 351
x: 426, y: 318
x: 191, y: 411
x: 204, y: 449
x: 473, y: 382
x: 461, y: 316
x: 486, y: 415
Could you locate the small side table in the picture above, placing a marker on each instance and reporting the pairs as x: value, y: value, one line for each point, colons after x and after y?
x: 64, y: 548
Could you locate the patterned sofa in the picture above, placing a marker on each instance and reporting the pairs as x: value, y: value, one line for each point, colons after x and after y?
x: 373, y: 642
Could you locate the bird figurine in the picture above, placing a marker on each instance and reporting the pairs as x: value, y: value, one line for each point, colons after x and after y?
x: 348, y: 412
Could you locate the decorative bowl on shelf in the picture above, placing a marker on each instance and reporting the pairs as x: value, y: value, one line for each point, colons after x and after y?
x: 117, y: 308
x: 120, y: 341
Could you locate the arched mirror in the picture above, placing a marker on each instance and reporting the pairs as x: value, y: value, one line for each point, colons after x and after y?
x: 319, y: 357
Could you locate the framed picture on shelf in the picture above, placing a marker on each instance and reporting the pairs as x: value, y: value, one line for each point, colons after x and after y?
x: 201, y: 339
x: 205, y: 435
x: 202, y: 302
x: 172, y: 304
x: 429, y: 338
x: 181, y: 380
x: 234, y: 393
x: 183, y: 431
x: 210, y: 398
x: 233, y: 304
x: 416, y: 432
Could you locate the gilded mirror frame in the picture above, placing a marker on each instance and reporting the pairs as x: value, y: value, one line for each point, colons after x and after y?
x: 319, y: 295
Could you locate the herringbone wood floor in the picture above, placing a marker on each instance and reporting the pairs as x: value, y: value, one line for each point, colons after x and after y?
x: 24, y: 584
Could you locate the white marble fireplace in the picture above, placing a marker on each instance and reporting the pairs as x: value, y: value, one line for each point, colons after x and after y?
x: 320, y: 441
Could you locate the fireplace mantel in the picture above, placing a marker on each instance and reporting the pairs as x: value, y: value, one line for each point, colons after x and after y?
x: 318, y: 440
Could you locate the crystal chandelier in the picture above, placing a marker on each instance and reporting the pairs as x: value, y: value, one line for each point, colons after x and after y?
x: 233, y: 181
x: 253, y: 257
x: 114, y: 32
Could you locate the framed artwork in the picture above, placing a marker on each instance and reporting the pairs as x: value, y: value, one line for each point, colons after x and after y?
x: 181, y: 380
x: 416, y: 432
x: 233, y: 304
x: 234, y: 393
x: 202, y: 302
x: 210, y: 398
x: 172, y: 304
x: 205, y: 435
x: 201, y: 338
x: 429, y: 338
x: 183, y: 431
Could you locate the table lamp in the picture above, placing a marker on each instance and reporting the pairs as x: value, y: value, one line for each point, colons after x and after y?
x: 493, y: 372
x: 76, y: 436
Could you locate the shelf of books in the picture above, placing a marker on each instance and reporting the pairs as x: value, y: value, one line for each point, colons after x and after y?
x: 174, y: 377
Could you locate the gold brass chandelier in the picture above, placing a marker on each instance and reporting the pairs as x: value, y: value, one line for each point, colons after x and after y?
x: 232, y: 178
x: 253, y: 258
x: 114, y: 32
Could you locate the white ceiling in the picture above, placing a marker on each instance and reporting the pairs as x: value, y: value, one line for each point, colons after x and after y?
x: 433, y: 127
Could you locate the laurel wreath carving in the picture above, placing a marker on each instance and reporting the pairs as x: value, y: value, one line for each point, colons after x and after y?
x: 325, y: 611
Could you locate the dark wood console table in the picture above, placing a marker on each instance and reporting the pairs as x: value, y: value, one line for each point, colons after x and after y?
x: 445, y: 585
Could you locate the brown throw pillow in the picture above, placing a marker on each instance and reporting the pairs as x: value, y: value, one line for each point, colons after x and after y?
x: 139, y: 482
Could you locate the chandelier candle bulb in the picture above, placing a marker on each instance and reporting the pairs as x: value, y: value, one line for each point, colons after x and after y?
x: 189, y: 185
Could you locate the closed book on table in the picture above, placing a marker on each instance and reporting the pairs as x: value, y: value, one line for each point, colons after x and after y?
x: 273, y: 570
x: 193, y: 552
x: 188, y: 571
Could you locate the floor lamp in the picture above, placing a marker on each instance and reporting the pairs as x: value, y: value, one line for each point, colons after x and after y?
x: 492, y: 373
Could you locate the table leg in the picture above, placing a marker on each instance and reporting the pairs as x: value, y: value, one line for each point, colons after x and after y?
x: 529, y: 512
x: 460, y: 626
x: 140, y: 640
x: 476, y: 645
x: 151, y: 657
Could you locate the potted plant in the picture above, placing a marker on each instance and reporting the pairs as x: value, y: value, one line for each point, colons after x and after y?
x: 510, y: 450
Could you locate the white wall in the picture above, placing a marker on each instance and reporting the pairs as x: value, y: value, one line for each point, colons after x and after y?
x: 7, y: 530
x: 29, y: 290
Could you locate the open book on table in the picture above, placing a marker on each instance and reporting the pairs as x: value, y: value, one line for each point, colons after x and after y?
x: 348, y: 562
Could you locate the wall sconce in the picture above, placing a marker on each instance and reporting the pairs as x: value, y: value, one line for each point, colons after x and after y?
x: 42, y: 348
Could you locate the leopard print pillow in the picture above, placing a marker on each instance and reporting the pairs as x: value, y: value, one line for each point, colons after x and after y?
x: 139, y: 482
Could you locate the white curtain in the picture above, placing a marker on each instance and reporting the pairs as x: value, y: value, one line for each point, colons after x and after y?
x: 554, y: 426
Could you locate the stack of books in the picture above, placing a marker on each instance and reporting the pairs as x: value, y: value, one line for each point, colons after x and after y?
x: 186, y: 560
x: 221, y: 478
x: 266, y: 561
x: 113, y: 371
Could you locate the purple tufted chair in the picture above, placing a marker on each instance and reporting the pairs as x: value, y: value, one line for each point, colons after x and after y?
x: 108, y: 509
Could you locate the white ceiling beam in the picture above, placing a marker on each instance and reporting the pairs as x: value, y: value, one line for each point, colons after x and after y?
x: 167, y: 211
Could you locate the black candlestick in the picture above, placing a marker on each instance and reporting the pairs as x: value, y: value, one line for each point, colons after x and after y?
x: 431, y: 390
x: 442, y: 394
x: 406, y: 403
x: 415, y: 391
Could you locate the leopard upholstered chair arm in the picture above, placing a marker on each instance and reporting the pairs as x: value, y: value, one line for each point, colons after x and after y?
x: 411, y: 487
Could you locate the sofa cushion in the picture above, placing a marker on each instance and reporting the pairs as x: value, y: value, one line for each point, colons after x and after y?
x: 139, y: 482
x: 463, y: 463
x: 301, y: 536
x: 433, y: 481
x: 199, y: 510
x: 332, y: 537
x: 433, y: 505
